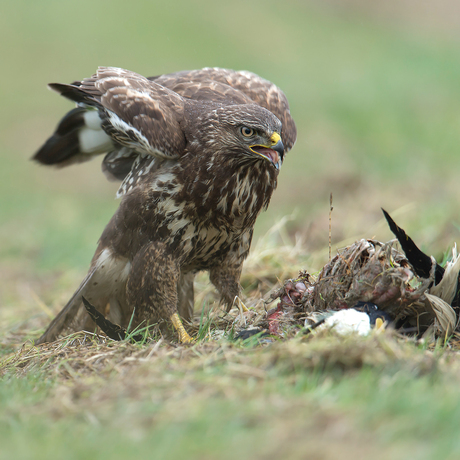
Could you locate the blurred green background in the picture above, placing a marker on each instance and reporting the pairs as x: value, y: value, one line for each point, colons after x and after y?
x: 373, y: 86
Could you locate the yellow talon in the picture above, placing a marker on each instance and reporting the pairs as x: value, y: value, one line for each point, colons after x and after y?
x: 183, y: 335
x: 239, y: 303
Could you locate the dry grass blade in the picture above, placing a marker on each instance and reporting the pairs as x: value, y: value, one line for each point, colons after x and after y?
x: 78, y: 346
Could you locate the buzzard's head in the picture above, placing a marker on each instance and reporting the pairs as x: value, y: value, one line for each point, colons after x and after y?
x: 248, y: 133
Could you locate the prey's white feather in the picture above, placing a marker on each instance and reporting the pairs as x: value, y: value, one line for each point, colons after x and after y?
x: 92, y: 119
x: 349, y: 321
x: 93, y: 141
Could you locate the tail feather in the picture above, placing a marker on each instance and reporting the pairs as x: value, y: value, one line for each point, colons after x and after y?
x: 99, y: 288
x: 71, y: 318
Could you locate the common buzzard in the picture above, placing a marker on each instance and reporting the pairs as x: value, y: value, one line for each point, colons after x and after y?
x: 198, y: 153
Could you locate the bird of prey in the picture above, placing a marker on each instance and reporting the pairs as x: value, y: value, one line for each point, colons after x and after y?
x: 198, y: 153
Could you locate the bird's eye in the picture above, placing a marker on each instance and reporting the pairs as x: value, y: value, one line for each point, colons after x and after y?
x: 245, y: 131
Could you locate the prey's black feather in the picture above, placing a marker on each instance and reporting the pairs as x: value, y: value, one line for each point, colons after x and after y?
x: 420, y: 262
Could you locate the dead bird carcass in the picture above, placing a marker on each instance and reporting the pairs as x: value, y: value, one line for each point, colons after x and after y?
x: 409, y: 288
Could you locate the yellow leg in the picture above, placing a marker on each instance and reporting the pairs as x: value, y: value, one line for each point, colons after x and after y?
x: 183, y: 335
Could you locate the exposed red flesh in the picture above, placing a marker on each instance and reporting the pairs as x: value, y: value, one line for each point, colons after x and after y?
x: 273, y: 317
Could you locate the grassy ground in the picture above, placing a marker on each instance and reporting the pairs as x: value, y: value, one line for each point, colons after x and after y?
x: 374, y: 91
x: 320, y: 396
x: 378, y: 397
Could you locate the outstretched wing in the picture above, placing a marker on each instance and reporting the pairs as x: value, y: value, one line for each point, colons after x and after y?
x: 125, y: 115
x: 233, y: 87
x: 134, y: 112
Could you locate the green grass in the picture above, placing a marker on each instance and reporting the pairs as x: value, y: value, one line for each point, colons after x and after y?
x: 221, y: 401
x: 376, y: 103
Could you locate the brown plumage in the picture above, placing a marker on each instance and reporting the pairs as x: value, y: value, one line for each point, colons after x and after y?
x: 199, y: 154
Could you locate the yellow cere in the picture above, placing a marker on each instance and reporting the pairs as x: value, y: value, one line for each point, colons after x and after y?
x: 275, y: 138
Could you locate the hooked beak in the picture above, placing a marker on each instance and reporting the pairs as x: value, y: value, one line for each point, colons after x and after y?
x: 273, y: 152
